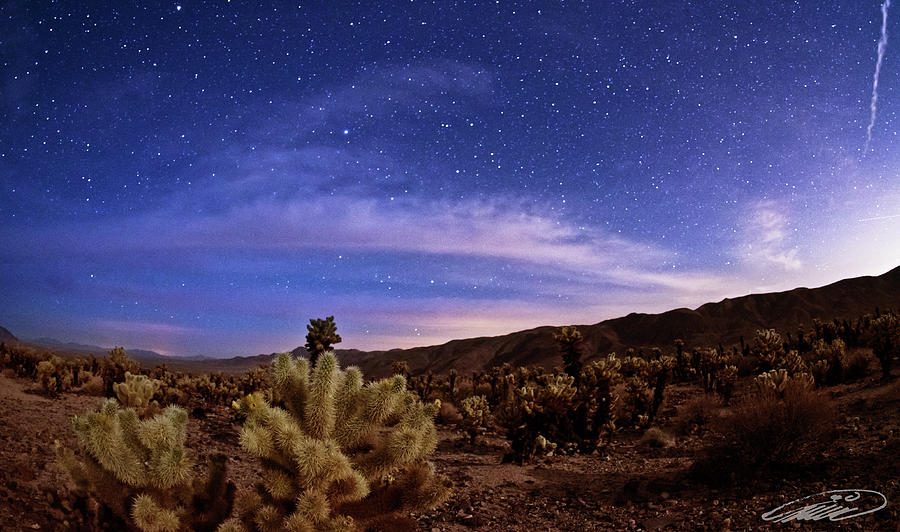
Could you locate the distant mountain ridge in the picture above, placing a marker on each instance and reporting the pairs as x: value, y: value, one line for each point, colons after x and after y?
x: 725, y: 321
x: 73, y: 348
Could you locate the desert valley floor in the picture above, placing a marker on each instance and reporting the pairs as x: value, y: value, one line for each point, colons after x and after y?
x: 631, y: 486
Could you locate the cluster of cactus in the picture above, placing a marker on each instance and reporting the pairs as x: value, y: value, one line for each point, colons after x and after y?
x: 23, y: 361
x: 549, y: 412
x: 55, y: 376
x: 339, y: 454
x: 645, y: 382
x: 778, y: 381
x: 138, y: 469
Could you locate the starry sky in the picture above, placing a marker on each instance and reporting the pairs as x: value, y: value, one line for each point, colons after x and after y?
x: 202, y: 178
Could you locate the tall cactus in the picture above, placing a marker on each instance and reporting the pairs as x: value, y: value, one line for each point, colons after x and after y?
x: 321, y: 335
x: 336, y: 444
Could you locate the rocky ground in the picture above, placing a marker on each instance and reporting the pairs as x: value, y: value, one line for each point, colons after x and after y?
x: 633, y: 485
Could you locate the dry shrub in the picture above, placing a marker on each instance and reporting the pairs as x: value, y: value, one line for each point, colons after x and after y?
x: 93, y: 386
x: 780, y: 430
x: 9, y: 373
x: 856, y: 364
x: 696, y: 414
x: 657, y: 438
x: 448, y: 414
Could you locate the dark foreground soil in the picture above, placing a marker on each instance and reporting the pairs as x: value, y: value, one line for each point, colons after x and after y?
x: 631, y: 486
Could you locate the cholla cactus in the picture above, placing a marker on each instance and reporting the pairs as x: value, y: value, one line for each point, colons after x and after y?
x: 141, y: 471
x: 336, y: 441
x: 886, y: 341
x: 726, y: 378
x: 137, y: 392
x: 793, y: 363
x: 321, y: 335
x: 820, y: 371
x: 777, y: 381
x: 475, y: 413
x: 569, y: 340
x: 768, y: 347
x: 114, y: 367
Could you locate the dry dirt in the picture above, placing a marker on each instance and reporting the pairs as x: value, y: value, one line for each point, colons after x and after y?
x: 630, y: 487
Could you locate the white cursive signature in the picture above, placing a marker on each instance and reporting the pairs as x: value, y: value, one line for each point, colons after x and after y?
x: 829, y: 506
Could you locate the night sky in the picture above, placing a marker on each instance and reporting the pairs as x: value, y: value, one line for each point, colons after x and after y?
x: 205, y: 177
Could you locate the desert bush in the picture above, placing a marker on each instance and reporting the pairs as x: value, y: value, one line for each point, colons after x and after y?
x: 339, y: 454
x: 658, y: 438
x: 856, y: 364
x: 140, y: 471
x: 448, y: 414
x: 784, y: 424
x: 696, y: 414
x: 476, y: 415
x: 92, y: 386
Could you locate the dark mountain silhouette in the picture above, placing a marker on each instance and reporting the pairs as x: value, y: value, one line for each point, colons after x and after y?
x: 710, y: 324
x: 7, y: 337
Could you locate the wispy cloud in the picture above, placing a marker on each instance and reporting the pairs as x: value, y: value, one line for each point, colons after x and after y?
x: 768, y: 239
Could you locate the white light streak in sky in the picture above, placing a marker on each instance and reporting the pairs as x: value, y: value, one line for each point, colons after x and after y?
x: 882, y: 46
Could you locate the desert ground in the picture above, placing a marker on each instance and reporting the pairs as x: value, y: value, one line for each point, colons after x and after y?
x: 632, y: 485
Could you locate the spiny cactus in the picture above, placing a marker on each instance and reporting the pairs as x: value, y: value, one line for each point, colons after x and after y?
x: 321, y: 335
x: 777, y: 381
x: 140, y: 470
x: 768, y: 346
x: 137, y: 392
x: 475, y: 413
x: 114, y: 367
x: 569, y: 341
x: 336, y: 444
x: 451, y: 382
